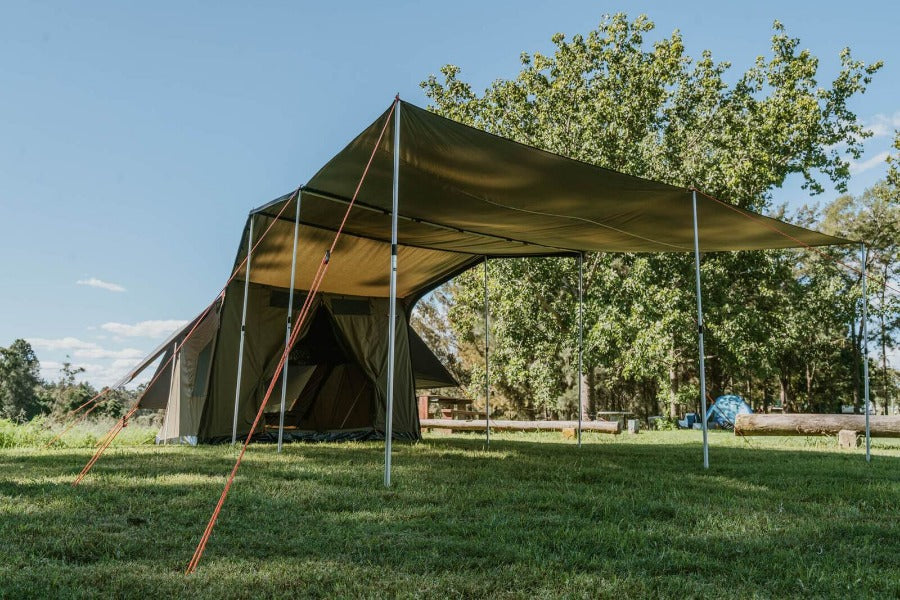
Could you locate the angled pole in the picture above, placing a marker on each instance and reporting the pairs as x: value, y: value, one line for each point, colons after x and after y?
x: 240, y: 365
x: 287, y: 329
x: 865, y: 353
x: 700, y: 335
x: 487, y: 361
x: 580, y: 341
x: 392, y: 301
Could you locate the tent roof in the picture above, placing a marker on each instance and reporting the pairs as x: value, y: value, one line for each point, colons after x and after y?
x: 465, y: 193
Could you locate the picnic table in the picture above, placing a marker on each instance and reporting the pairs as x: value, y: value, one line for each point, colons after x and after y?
x: 449, y: 408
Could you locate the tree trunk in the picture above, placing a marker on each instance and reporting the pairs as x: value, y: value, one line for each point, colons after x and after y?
x: 673, y: 386
x: 783, y: 392
x: 613, y: 427
x: 810, y: 424
x: 885, y: 394
x: 587, y: 392
x: 592, y: 391
x: 857, y: 365
x: 809, y: 378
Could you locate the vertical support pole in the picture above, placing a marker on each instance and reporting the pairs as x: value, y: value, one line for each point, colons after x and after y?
x: 487, y: 360
x: 700, y: 335
x: 392, y: 301
x: 287, y: 328
x: 580, y: 341
x: 865, y: 352
x: 240, y: 365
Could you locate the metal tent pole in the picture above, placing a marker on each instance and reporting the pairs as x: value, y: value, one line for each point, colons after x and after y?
x: 487, y: 361
x: 287, y: 329
x: 700, y: 335
x: 240, y: 365
x: 865, y: 344
x: 392, y: 301
x: 580, y: 341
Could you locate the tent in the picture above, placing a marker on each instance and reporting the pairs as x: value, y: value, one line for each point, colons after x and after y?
x: 725, y: 410
x: 335, y: 388
x: 440, y: 197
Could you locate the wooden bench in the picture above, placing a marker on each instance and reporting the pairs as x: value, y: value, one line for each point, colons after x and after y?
x: 846, y: 427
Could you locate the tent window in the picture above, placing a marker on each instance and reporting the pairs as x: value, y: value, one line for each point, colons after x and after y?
x: 201, y: 374
x: 280, y: 298
x: 343, y: 306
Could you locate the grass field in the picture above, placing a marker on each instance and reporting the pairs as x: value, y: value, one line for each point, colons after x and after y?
x: 532, y: 517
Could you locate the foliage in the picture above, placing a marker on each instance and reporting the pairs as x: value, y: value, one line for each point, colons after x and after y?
x: 612, y: 98
x: 894, y: 167
x: 532, y: 517
x: 19, y: 381
x: 24, y: 395
x: 66, y: 394
x: 665, y: 424
x: 38, y: 432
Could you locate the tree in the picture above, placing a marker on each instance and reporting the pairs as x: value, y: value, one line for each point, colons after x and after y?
x: 612, y: 99
x: 874, y: 218
x: 19, y: 381
x: 66, y: 393
x: 893, y: 177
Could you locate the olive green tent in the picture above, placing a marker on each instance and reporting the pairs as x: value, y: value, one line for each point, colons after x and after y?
x: 462, y: 196
x: 335, y: 385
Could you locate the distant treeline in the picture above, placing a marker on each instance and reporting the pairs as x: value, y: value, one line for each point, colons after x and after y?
x: 24, y: 394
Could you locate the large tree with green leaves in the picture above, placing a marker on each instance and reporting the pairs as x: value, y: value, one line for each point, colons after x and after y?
x: 19, y: 381
x: 615, y: 99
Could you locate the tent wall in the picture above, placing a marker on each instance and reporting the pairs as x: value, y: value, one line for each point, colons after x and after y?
x: 367, y: 338
x: 188, y: 388
x: 363, y: 332
x: 264, y: 338
x: 427, y: 368
x: 156, y: 396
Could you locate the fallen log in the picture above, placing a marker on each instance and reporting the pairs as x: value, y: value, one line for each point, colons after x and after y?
x: 816, y: 424
x: 479, y: 425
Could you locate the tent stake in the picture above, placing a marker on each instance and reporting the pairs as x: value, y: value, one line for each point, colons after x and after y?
x: 287, y: 330
x: 865, y: 353
x: 392, y: 301
x: 700, y: 335
x: 240, y: 366
x: 580, y: 341
x: 487, y: 361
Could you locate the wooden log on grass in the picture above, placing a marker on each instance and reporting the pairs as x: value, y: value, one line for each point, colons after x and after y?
x: 612, y: 427
x: 816, y: 424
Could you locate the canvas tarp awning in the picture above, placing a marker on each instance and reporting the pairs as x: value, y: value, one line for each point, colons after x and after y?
x: 465, y: 193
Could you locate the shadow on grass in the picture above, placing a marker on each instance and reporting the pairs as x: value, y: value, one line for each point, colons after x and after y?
x: 520, y: 519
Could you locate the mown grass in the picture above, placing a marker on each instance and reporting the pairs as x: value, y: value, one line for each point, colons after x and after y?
x: 531, y: 517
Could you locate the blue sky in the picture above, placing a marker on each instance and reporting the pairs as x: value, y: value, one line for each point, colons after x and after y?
x: 135, y: 137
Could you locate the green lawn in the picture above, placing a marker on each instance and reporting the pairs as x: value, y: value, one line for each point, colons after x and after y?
x: 534, y: 516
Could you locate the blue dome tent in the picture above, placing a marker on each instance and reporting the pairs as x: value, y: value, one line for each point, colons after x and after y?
x: 725, y: 410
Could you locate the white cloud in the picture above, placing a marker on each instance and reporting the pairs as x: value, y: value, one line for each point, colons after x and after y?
x: 99, y: 283
x: 102, y: 366
x: 878, y: 160
x: 65, y: 343
x: 882, y: 125
x: 98, y: 374
x: 151, y: 329
x: 126, y: 353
